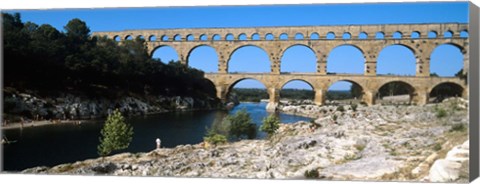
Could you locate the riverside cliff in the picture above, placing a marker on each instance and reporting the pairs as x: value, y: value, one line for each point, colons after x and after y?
x: 68, y: 106
x: 396, y: 143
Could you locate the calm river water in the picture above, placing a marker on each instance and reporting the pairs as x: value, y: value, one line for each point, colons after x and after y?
x: 56, y: 144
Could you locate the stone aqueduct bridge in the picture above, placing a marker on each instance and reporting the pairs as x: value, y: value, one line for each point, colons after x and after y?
x: 227, y: 40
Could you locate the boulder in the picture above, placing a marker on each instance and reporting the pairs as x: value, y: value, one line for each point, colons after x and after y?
x: 272, y: 106
x: 444, y: 171
x: 104, y: 168
x: 448, y: 169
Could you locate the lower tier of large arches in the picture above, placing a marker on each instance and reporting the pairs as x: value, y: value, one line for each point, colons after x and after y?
x: 369, y: 90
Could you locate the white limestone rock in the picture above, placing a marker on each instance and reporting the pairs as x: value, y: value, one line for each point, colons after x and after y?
x: 444, y: 171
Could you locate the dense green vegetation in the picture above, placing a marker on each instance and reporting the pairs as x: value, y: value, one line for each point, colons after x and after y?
x: 339, y: 95
x: 248, y: 94
x: 446, y: 90
x: 256, y: 94
x: 44, y: 59
x: 241, y: 125
x: 215, y: 138
x: 395, y: 88
x: 389, y: 89
x: 297, y: 94
x: 116, y: 134
x: 270, y: 124
x: 233, y: 127
x: 311, y: 174
x: 441, y: 91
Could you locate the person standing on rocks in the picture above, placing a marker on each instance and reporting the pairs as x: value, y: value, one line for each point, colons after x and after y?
x: 158, y: 141
x: 21, y: 122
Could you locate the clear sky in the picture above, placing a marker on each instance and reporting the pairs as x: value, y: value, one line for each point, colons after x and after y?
x: 343, y: 59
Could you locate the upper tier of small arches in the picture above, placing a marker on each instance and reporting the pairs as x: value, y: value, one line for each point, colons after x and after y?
x: 401, y: 31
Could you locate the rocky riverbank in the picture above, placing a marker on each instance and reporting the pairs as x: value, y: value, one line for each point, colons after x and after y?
x: 395, y: 143
x: 307, y: 108
x: 65, y: 106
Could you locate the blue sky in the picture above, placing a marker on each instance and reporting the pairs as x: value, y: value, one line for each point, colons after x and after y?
x: 343, y: 59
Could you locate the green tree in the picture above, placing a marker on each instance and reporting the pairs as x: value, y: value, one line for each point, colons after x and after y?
x: 73, y: 60
x: 15, y: 49
x: 356, y: 91
x: 77, y: 30
x: 116, y: 134
x: 394, y: 88
x: 270, y: 125
x: 354, y: 107
x: 240, y: 125
x: 214, y: 138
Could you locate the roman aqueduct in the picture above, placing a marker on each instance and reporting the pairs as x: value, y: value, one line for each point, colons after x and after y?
x: 369, y: 39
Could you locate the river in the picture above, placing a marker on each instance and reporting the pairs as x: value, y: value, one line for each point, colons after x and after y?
x: 64, y: 143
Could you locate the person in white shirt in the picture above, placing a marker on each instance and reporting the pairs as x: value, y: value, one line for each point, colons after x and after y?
x: 158, y: 143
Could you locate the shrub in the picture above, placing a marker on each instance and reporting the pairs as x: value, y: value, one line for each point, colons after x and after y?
x: 340, y: 108
x: 240, y: 125
x: 311, y: 173
x: 354, y: 107
x: 441, y: 113
x: 394, y: 153
x: 215, y: 139
x: 437, y: 147
x: 334, y: 117
x: 457, y: 127
x: 232, y: 127
x: 270, y: 125
x: 359, y: 147
x: 115, y: 135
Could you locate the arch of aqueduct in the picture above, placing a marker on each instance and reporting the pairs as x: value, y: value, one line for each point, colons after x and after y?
x: 184, y: 41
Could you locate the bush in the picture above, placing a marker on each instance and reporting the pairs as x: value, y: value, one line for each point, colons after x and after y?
x: 457, y: 127
x: 116, y: 134
x: 340, y: 108
x: 270, y: 125
x: 437, y: 147
x: 359, y: 147
x: 311, y: 173
x: 350, y: 157
x: 354, y: 107
x: 215, y: 138
x: 441, y: 113
x: 237, y: 126
x: 334, y: 117
x: 240, y: 125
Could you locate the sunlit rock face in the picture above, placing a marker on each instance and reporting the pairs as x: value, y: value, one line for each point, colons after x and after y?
x: 272, y: 106
x: 450, y: 168
x: 69, y: 106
